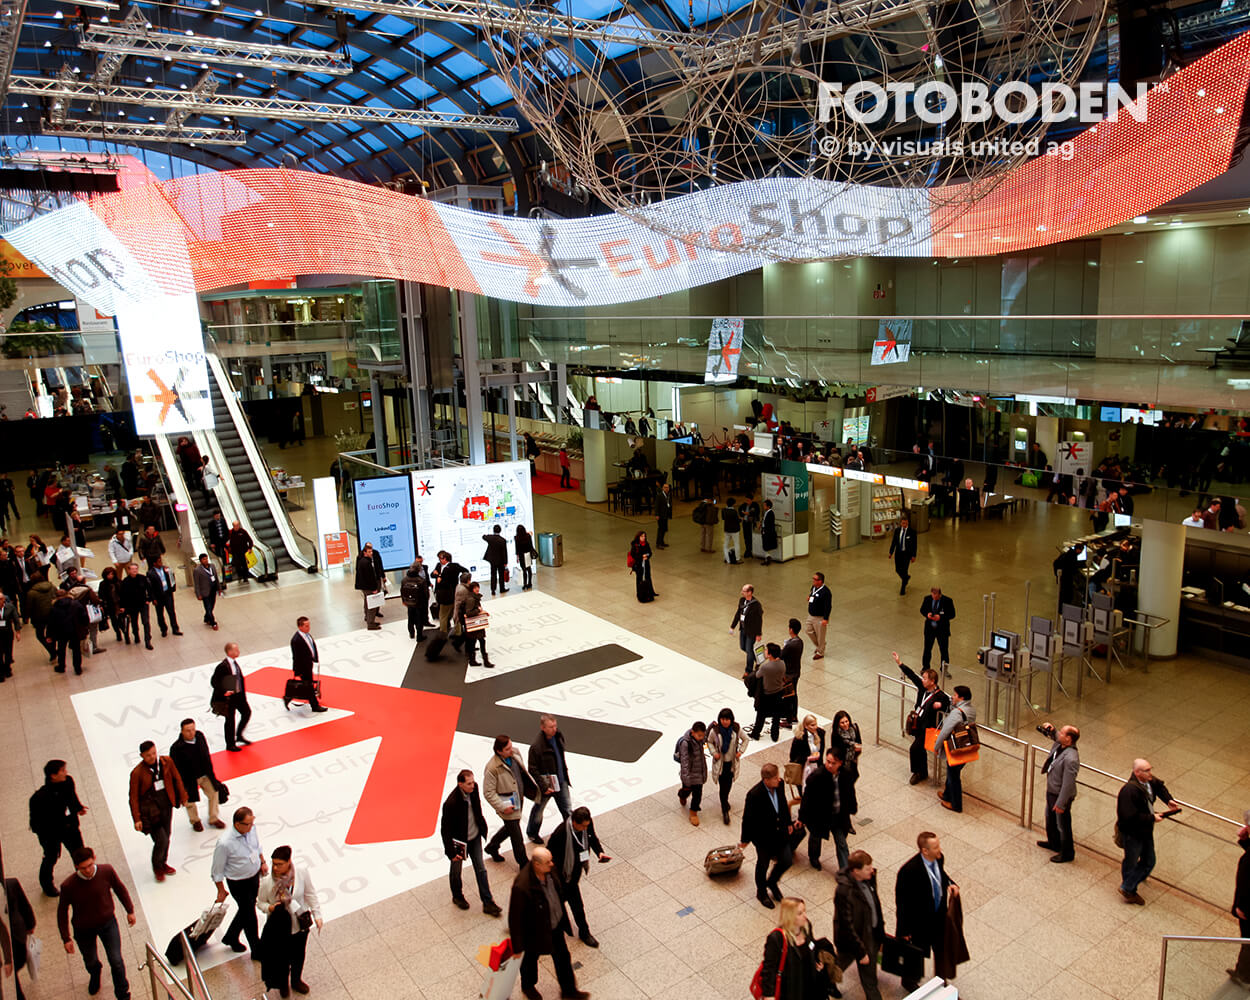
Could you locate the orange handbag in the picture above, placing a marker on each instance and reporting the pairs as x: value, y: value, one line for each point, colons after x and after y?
x: 930, y: 739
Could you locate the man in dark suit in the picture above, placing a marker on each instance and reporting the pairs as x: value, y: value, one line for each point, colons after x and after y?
x: 162, y: 585
x: 230, y: 697
x: 496, y: 556
x: 194, y: 762
x: 663, y: 514
x: 931, y: 701
x: 446, y: 575
x: 1135, y: 817
x: 750, y: 615
x: 572, y: 844
x: 463, y: 821
x: 136, y: 595
x: 825, y: 806
x: 938, y: 611
x: 921, y: 891
x: 858, y: 921
x: 766, y: 823
x: 903, y: 551
x: 303, y: 657
x: 537, y: 925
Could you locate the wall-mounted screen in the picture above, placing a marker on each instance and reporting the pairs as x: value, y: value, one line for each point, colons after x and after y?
x: 384, y: 517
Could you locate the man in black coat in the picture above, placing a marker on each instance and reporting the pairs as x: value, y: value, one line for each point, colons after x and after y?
x: 537, y: 924
x: 230, y: 697
x: 663, y: 514
x: 67, y: 625
x: 446, y: 578
x: 750, y: 616
x: 766, y: 823
x: 219, y: 539
x: 858, y: 922
x: 1135, y: 817
x: 162, y: 585
x: 1068, y: 566
x: 496, y: 556
x: 194, y: 762
x: 903, y: 551
x: 931, y: 701
x: 304, y: 658
x: 369, y: 578
x: 938, y: 611
x: 824, y: 808
x: 1240, y: 974
x: 921, y: 891
x: 136, y: 595
x: 463, y: 829
x: 54, y: 812
x: 572, y: 844
x: 548, y: 760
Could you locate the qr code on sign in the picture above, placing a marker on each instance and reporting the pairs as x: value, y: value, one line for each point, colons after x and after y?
x: 386, y: 541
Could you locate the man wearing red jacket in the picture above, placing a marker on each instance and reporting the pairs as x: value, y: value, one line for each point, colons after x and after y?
x: 156, y: 790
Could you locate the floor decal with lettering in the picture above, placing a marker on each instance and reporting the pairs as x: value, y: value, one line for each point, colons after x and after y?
x: 356, y: 791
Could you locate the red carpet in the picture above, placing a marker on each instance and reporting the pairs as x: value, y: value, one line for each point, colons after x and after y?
x: 546, y: 482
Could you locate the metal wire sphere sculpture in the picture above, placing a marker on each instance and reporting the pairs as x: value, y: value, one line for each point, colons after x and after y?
x: 753, y: 96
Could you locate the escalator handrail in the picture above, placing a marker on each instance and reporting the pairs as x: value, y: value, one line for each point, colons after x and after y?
x: 230, y: 500
x: 177, y: 487
x: 260, y: 467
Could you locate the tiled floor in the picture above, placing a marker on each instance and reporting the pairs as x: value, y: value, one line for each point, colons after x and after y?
x: 666, y: 930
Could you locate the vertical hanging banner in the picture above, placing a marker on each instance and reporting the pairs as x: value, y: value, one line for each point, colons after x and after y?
x: 780, y: 490
x: 724, y: 349
x: 158, y: 321
x: 893, y: 343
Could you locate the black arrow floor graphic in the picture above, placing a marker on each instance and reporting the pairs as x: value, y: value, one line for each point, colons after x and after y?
x: 482, y: 715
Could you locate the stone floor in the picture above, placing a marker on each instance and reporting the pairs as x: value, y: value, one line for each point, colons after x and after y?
x: 666, y: 930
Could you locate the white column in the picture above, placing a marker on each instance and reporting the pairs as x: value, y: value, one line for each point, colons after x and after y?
x: 1159, y: 580
x: 1047, y: 435
x: 595, y: 483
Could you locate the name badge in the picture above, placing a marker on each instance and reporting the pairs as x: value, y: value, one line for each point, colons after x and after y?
x: 583, y: 856
x: 4, y: 623
x: 159, y: 784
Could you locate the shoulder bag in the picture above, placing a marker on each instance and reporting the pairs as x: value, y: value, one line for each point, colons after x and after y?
x: 757, y: 987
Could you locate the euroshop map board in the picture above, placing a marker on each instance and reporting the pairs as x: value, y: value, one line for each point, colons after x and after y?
x: 455, y: 507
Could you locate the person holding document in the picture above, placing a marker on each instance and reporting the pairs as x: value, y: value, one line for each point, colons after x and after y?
x: 463, y: 827
x: 549, y: 767
x: 506, y: 785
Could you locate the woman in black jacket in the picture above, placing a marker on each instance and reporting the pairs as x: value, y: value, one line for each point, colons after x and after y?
x: 525, y: 556
x: 640, y: 566
x: 809, y: 742
x: 111, y: 600
x: 790, y: 970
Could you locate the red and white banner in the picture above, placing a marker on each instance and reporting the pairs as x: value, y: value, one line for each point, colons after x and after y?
x: 269, y: 225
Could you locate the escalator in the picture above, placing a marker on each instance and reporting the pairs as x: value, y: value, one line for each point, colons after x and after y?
x: 240, y: 462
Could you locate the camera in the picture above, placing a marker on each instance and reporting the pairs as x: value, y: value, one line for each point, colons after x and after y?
x: 1047, y: 730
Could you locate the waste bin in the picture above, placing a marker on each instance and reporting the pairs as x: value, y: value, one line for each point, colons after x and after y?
x: 919, y: 511
x: 551, y: 548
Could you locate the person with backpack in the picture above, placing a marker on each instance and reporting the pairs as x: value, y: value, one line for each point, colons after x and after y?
x: 731, y: 524
x: 639, y: 562
x: 690, y: 754
x: 706, y: 515
x: 414, y: 592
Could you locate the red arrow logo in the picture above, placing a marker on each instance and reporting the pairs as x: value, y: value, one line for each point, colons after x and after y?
x: 399, y: 801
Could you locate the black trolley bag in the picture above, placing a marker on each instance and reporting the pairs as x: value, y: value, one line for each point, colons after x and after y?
x: 434, y: 644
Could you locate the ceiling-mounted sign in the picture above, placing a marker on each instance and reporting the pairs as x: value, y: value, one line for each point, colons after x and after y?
x: 893, y: 343
x: 880, y: 393
x: 724, y: 349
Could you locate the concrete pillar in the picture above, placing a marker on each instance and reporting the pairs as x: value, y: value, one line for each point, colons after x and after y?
x: 379, y: 422
x: 665, y: 455
x: 472, y: 378
x: 1047, y: 435
x: 1159, y: 580
x: 835, y: 406
x: 595, y: 481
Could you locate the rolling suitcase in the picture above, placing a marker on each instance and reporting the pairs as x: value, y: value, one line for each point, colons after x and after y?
x: 434, y: 646
x: 723, y: 860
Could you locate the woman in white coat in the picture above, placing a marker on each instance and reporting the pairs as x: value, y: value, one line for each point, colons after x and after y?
x: 289, y: 902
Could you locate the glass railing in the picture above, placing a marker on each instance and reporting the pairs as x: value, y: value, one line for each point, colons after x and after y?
x: 1192, y: 967
x: 1196, y: 849
x: 277, y: 333
x: 1048, y: 354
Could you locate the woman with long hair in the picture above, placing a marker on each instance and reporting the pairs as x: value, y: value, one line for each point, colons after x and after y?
x: 111, y: 603
x: 640, y: 566
x: 728, y: 742
x: 524, y: 545
x: 790, y: 970
x: 845, y: 733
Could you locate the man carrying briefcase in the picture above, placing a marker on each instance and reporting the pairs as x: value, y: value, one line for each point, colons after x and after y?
x: 303, y: 657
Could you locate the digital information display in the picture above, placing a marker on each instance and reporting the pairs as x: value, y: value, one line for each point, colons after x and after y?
x: 384, y: 517
x: 455, y: 507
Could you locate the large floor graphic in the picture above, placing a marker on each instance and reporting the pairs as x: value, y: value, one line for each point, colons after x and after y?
x: 356, y: 791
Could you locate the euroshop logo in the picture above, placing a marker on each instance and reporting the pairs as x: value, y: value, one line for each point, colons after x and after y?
x: 937, y: 103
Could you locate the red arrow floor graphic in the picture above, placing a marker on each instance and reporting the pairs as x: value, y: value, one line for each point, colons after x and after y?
x: 404, y: 790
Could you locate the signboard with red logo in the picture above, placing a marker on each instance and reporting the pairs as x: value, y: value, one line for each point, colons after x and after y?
x: 337, y: 551
x: 780, y: 490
